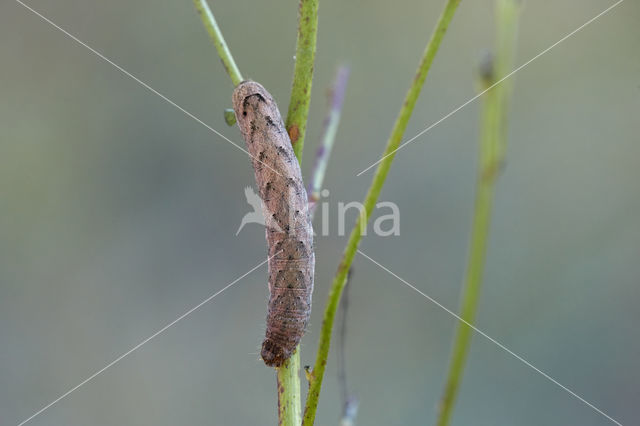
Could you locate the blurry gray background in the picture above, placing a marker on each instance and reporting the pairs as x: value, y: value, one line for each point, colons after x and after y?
x: 118, y: 214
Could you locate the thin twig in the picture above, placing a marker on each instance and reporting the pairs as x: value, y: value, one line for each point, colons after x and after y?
x: 349, y: 400
x: 342, y: 335
x: 329, y: 130
x: 289, y: 401
x: 317, y: 375
x: 211, y: 25
x: 492, y: 146
x: 296, y: 122
x: 287, y: 376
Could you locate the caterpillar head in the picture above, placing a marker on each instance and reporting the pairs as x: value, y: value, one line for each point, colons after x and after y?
x: 273, y: 354
x: 250, y: 99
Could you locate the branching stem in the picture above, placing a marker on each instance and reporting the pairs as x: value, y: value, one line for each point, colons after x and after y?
x: 296, y: 124
x: 211, y: 25
x: 379, y: 178
x: 492, y: 148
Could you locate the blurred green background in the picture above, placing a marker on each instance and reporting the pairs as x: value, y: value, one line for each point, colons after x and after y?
x: 118, y: 214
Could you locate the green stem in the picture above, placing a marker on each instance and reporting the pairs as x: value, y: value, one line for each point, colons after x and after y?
x: 288, y: 378
x: 289, y: 402
x: 492, y: 147
x: 288, y: 375
x: 211, y: 25
x: 316, y: 376
x: 296, y: 122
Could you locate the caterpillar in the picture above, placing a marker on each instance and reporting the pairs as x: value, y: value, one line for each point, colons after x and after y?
x: 285, y: 207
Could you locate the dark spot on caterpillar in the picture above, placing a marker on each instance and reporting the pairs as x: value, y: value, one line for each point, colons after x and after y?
x: 253, y: 130
x: 282, y: 151
x: 291, y: 261
x: 301, y: 248
x: 266, y: 191
x: 270, y: 121
x: 244, y: 113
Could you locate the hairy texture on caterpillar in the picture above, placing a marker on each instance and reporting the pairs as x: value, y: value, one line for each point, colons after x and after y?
x: 286, y: 213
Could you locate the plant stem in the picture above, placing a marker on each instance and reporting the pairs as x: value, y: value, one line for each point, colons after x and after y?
x: 288, y: 379
x: 211, y: 25
x: 289, y: 403
x: 382, y: 170
x: 349, y: 400
x: 330, y: 128
x: 492, y: 147
x: 296, y: 122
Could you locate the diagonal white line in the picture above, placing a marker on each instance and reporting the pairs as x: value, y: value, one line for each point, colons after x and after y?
x: 137, y: 80
x: 139, y: 345
x: 572, y: 33
x: 494, y: 341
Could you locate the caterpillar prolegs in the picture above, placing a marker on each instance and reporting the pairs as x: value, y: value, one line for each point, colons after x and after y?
x: 286, y: 212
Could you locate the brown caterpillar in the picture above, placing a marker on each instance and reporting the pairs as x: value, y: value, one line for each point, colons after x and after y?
x: 286, y: 212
